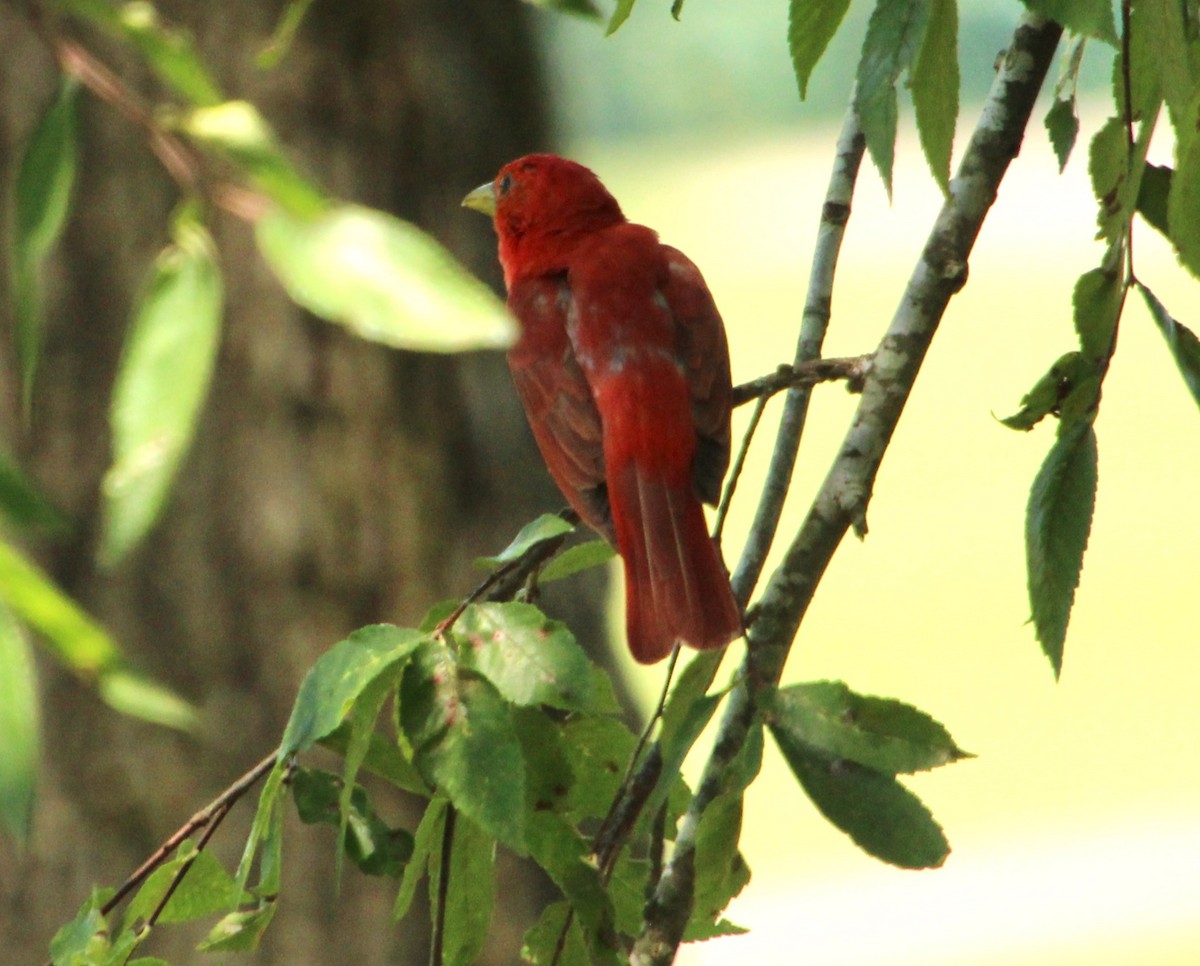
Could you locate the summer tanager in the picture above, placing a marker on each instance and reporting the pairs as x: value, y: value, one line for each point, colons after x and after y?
x: 623, y: 370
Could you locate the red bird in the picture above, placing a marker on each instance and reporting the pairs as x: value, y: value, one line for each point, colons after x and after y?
x: 623, y: 369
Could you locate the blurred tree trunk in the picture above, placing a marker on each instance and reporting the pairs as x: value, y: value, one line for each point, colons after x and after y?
x: 333, y: 483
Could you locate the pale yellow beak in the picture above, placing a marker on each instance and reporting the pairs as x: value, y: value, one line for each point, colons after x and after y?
x: 481, y: 199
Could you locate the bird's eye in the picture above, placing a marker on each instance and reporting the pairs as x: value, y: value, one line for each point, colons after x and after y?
x: 504, y: 185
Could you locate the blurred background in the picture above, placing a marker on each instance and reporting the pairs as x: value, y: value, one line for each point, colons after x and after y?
x: 1076, y: 830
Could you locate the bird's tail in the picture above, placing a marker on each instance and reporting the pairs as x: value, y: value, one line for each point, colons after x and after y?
x: 676, y: 585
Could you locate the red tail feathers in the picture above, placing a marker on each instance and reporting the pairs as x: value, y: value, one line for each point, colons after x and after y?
x: 676, y: 587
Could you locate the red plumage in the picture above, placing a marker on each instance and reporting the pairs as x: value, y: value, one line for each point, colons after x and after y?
x: 623, y: 370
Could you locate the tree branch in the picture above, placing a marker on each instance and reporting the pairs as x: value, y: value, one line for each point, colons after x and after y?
x: 841, y: 502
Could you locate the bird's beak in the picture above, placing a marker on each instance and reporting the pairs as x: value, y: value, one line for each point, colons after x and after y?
x: 481, y: 199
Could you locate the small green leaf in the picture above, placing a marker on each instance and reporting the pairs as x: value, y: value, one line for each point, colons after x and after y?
x: 619, y: 15
x: 1183, y: 204
x: 239, y: 931
x: 140, y: 697
x: 284, y: 34
x: 1057, y: 523
x: 1092, y: 18
x: 204, y: 890
x: 880, y: 733
x: 582, y: 556
x: 811, y: 25
x: 1062, y: 124
x: 265, y: 832
x: 84, y: 940
x: 472, y: 892
x: 686, y: 714
x: 237, y: 132
x: 45, y: 177
x: 161, y: 384
x: 169, y: 52
x: 934, y: 81
x: 894, y: 35
x: 339, y: 677
x: 384, y: 279
x: 546, y: 527
x: 528, y: 657
x: 1108, y: 165
x: 1097, y: 300
x: 18, y: 728
x: 1182, y: 341
x: 1048, y: 393
x: 882, y: 817
x: 1152, y: 197
x: 464, y: 742
x: 540, y: 945
x: 427, y: 843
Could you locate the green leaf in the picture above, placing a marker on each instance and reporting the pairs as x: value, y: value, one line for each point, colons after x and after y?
x: 169, y: 53
x: 161, y: 384
x: 1097, y: 300
x: 1163, y: 32
x: 366, y: 839
x: 1152, y: 197
x: 238, y: 133
x: 472, y: 892
x: 1108, y: 165
x: 138, y: 696
x: 546, y: 527
x: 582, y: 556
x: 548, y: 774
x: 686, y: 714
x: 339, y: 677
x: 284, y: 34
x: 894, y: 35
x: 239, y: 931
x: 45, y: 177
x: 598, y: 751
x: 1092, y: 18
x: 265, y: 834
x: 383, y: 278
x: 934, y: 81
x: 381, y: 757
x: 18, y: 728
x: 24, y: 505
x: 619, y: 15
x: 883, y: 818
x: 84, y: 940
x: 1183, y: 204
x: 1062, y: 124
x: 204, y: 890
x: 1048, y: 393
x: 811, y: 25
x: 1057, y: 523
x: 427, y: 844
x: 1184, y: 346
x: 881, y: 733
x: 540, y: 945
x: 465, y: 743
x: 528, y: 657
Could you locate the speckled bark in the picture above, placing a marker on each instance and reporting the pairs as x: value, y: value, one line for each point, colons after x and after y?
x: 333, y: 483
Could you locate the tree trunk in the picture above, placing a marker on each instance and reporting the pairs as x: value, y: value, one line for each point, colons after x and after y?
x: 333, y: 483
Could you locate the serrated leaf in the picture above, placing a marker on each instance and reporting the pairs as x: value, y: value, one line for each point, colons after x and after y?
x: 580, y: 557
x: 619, y: 15
x: 465, y: 743
x: 1058, y: 520
x: 1153, y: 193
x: 19, y: 728
x: 1164, y: 32
x: 472, y: 892
x: 883, y: 818
x: 1092, y: 18
x: 934, y: 81
x: 1097, y: 301
x: 894, y: 35
x: 427, y: 843
x: 1108, y: 166
x: 546, y: 527
x: 530, y: 659
x: 1048, y: 393
x: 880, y: 733
x: 811, y: 25
x: 239, y: 931
x: 1183, y: 203
x: 1182, y: 341
x: 1062, y: 125
x: 45, y: 177
x: 382, y: 278
x: 161, y: 384
x: 541, y: 941
x: 339, y: 677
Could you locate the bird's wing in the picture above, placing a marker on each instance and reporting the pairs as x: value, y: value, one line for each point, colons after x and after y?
x: 704, y: 354
x: 557, y: 398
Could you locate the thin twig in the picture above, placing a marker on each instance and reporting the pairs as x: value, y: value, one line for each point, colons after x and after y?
x: 842, y: 500
x: 804, y: 375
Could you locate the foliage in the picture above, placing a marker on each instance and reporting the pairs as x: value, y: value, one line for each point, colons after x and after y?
x: 488, y: 711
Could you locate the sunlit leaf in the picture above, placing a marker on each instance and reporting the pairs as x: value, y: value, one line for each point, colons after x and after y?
x: 45, y: 176
x: 545, y: 527
x: 1062, y: 125
x: 382, y: 278
x: 140, y: 697
x: 169, y: 52
x: 239, y: 931
x: 1183, y: 204
x: 161, y: 384
x: 1182, y: 341
x: 811, y: 25
x: 18, y: 728
x: 934, y: 81
x: 1057, y: 523
x: 619, y: 15
x: 573, y: 560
